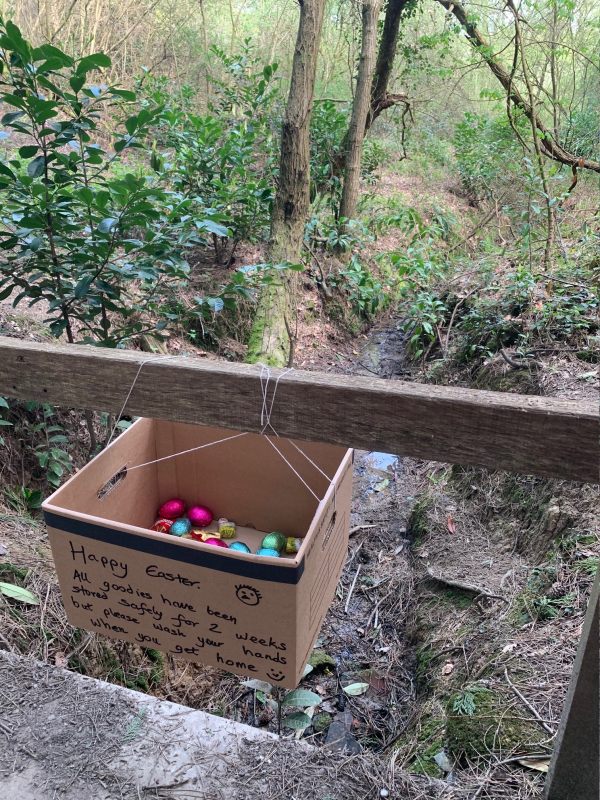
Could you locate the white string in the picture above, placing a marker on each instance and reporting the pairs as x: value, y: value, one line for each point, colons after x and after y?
x: 185, y: 452
x: 265, y: 421
x: 159, y: 359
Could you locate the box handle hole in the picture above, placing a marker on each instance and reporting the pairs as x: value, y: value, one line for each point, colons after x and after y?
x: 112, y: 483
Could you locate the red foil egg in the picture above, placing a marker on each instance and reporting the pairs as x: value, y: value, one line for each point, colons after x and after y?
x: 172, y: 509
x: 200, y: 516
x: 162, y: 525
x: 216, y: 542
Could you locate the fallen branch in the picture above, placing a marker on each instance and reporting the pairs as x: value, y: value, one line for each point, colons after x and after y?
x: 466, y: 587
x: 548, y: 728
x: 352, y: 589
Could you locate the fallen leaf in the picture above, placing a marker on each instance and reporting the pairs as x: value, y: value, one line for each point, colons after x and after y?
x: 508, y: 648
x: 539, y: 764
x: 382, y: 485
x: 448, y: 668
x: 60, y: 660
x: 451, y: 525
x: 18, y: 593
x: 356, y: 689
x: 259, y: 686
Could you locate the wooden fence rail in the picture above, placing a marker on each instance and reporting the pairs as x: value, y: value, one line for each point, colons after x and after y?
x: 531, y: 435
x: 526, y: 434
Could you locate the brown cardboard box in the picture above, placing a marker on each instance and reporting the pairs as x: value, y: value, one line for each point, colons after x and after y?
x: 252, y: 615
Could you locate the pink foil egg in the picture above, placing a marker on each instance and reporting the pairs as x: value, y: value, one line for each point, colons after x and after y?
x: 216, y: 542
x: 200, y: 516
x: 172, y: 509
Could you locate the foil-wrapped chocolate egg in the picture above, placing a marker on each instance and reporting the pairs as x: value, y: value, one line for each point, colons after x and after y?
x: 200, y: 516
x: 239, y: 547
x: 199, y: 535
x: 180, y: 527
x: 267, y: 551
x: 217, y: 542
x: 274, y: 541
x: 292, y: 545
x: 172, y: 509
x: 162, y: 525
x: 226, y: 528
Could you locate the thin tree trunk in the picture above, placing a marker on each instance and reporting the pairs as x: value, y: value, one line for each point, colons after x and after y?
x: 360, y: 109
x: 380, y: 97
x: 270, y: 340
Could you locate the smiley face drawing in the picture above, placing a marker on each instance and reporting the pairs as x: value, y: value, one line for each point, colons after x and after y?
x: 275, y: 675
x: 248, y: 594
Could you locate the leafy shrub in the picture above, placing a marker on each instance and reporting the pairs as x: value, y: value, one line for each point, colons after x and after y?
x: 224, y: 161
x: 485, y: 147
x: 101, y: 250
x: 327, y: 129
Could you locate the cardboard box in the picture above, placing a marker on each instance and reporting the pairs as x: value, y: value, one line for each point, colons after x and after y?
x: 252, y: 615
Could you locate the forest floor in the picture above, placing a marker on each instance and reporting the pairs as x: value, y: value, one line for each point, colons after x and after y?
x: 463, y: 593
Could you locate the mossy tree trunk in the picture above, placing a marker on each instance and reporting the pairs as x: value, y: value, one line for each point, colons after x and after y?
x: 360, y: 109
x: 270, y: 340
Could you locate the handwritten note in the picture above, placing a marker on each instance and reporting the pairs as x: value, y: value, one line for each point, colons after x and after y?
x: 186, y: 611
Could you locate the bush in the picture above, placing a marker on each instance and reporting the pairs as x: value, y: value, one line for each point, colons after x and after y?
x: 224, y: 161
x: 100, y: 248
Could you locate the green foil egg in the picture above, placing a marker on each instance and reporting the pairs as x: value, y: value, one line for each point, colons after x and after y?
x: 267, y: 551
x: 180, y: 527
x: 240, y: 547
x: 274, y: 541
x: 292, y: 545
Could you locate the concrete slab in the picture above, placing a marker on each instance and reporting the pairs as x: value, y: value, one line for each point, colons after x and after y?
x: 67, y: 737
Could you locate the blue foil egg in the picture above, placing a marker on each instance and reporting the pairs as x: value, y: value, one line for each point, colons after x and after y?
x: 267, y: 551
x: 180, y: 527
x: 240, y: 547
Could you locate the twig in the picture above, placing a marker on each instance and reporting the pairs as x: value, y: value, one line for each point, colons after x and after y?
x: 467, y: 587
x: 516, y: 365
x: 357, y: 528
x: 548, y: 728
x: 352, y: 588
x: 454, y: 310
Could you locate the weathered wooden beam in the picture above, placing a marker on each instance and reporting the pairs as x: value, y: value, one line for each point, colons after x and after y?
x: 574, y: 772
x: 527, y: 434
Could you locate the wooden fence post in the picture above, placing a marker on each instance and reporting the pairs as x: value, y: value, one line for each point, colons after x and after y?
x: 574, y: 772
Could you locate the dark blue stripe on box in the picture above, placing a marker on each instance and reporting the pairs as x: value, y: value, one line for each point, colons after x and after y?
x: 169, y: 549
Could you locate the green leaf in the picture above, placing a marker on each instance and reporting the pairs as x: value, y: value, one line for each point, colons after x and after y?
x: 11, y: 117
x: 35, y: 168
x: 76, y: 82
x: 5, y: 423
x: 18, y: 593
x: 298, y: 721
x: 356, y: 689
x: 83, y: 287
x: 4, y: 170
x: 94, y: 61
x: 3, y: 402
x: 123, y: 93
x: 6, y: 292
x: 48, y: 51
x: 259, y: 686
x: 106, y: 225
x: 302, y: 698
x: 212, y: 227
x: 28, y: 150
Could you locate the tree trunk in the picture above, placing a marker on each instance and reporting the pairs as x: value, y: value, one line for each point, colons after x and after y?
x: 380, y: 97
x: 360, y: 109
x: 270, y: 340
